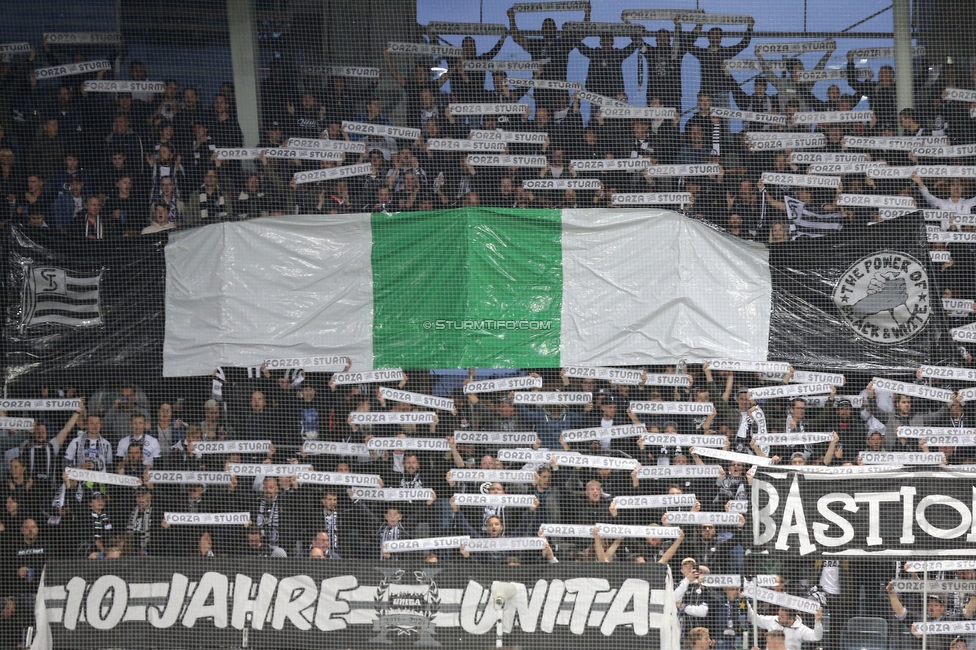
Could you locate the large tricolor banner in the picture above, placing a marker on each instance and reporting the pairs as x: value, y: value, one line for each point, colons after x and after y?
x: 460, y: 288
x: 476, y: 287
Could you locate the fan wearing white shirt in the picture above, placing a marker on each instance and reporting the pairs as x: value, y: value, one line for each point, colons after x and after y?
x: 955, y: 202
x: 791, y: 625
x: 150, y: 446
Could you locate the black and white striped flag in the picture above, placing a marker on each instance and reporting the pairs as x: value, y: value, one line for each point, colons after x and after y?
x: 217, y: 388
x: 805, y: 223
x: 54, y: 295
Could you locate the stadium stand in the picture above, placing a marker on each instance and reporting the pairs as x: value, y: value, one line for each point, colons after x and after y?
x: 786, y: 498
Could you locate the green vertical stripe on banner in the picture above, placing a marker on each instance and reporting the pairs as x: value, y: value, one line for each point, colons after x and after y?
x: 468, y: 287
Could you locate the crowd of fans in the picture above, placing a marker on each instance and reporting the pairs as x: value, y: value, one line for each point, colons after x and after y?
x: 101, y: 166
x: 98, y: 165
x: 122, y: 430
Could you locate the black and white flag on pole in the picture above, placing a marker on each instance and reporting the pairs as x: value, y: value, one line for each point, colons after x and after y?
x: 806, y: 223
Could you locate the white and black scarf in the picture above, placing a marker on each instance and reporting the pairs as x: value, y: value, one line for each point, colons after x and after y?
x: 268, y: 520
x: 331, y: 520
x: 140, y: 525
x: 388, y: 533
x: 40, y: 464
x: 205, y: 200
x: 493, y: 511
x: 98, y: 451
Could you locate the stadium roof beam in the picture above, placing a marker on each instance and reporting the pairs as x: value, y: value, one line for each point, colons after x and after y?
x: 733, y: 33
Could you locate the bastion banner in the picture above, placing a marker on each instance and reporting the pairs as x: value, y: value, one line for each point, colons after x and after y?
x: 894, y: 514
x: 306, y: 603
